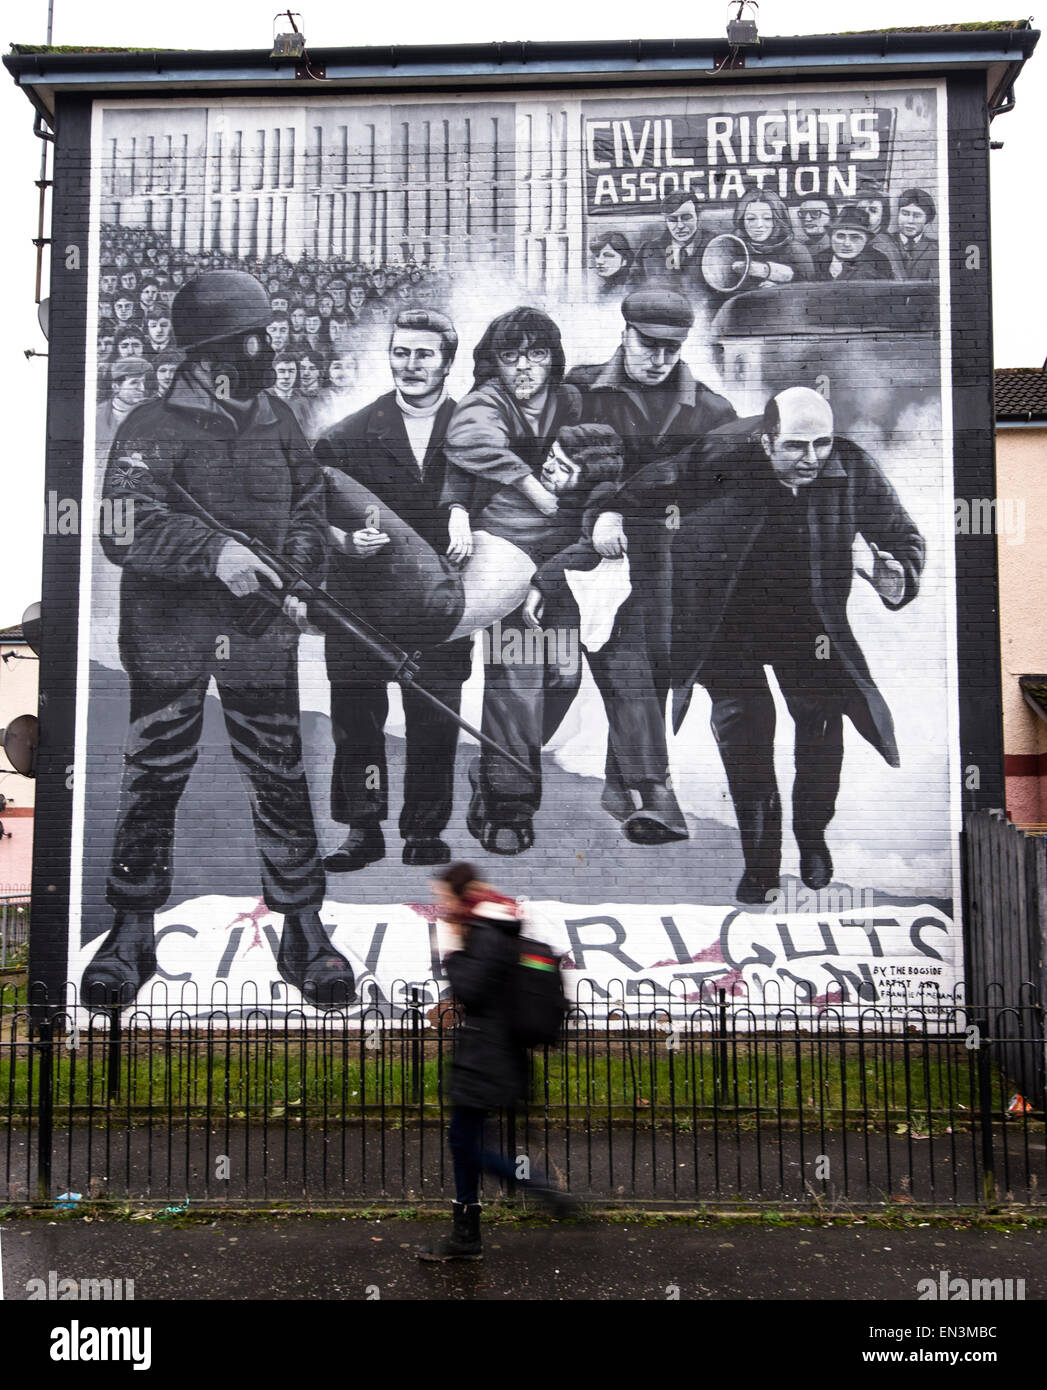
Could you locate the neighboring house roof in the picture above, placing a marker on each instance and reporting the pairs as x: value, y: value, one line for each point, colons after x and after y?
x: 12, y: 634
x: 1021, y: 393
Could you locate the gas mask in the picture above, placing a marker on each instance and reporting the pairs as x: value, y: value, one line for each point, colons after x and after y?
x: 242, y: 364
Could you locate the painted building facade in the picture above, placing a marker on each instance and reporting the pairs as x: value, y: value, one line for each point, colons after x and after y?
x: 736, y: 681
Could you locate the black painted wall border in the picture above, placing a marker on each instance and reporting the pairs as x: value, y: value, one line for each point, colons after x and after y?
x: 974, y: 460
x: 60, y: 598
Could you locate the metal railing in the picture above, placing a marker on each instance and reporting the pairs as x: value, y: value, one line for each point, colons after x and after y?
x: 14, y: 929
x: 731, y: 1100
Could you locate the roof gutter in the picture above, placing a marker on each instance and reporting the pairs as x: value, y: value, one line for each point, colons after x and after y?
x: 498, y: 63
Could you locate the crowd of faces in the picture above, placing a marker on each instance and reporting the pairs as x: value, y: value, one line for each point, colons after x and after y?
x: 320, y: 309
x: 811, y: 222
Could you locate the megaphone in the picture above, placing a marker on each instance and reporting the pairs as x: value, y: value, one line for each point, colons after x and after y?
x: 719, y: 260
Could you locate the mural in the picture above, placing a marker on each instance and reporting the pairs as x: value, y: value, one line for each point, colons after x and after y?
x: 556, y: 484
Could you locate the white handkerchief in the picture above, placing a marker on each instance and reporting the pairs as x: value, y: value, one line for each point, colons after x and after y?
x: 599, y: 594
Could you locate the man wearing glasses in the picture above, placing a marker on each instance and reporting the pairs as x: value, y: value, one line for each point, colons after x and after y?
x: 762, y: 574
x: 815, y: 215
x: 649, y: 396
x: 500, y: 436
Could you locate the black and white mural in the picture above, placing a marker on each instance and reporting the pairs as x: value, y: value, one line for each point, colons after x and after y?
x: 563, y: 484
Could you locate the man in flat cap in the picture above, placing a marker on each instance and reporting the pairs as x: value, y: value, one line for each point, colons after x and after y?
x: 129, y: 380
x: 649, y: 396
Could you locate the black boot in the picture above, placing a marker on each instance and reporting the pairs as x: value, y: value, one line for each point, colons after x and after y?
x: 464, y: 1242
x: 497, y: 837
x: 425, y: 849
x: 310, y: 962
x: 816, y: 863
x: 659, y: 819
x: 360, y: 848
x: 123, y: 963
x: 760, y: 825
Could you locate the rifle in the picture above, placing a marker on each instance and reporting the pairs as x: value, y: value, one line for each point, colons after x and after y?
x: 329, y: 615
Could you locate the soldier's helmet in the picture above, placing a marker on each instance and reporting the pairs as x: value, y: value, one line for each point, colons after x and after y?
x: 218, y: 304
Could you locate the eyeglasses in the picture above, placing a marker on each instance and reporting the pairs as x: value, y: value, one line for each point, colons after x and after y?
x: 537, y: 355
x: 809, y: 214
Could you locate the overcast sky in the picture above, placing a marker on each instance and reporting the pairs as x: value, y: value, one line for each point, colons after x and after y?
x: 1019, y: 202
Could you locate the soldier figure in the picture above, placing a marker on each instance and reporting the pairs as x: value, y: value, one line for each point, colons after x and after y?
x: 238, y: 452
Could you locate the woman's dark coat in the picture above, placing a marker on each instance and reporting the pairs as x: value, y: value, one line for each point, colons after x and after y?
x: 490, y: 1069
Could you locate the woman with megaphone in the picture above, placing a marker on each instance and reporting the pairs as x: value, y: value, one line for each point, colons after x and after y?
x: 763, y: 251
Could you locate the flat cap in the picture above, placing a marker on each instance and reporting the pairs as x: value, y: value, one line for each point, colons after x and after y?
x: 659, y: 313
x: 851, y: 215
x: 128, y: 366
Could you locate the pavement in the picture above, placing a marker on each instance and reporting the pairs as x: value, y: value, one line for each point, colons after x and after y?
x: 282, y: 1257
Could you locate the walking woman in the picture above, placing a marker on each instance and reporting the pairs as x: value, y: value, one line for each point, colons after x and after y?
x: 490, y: 1069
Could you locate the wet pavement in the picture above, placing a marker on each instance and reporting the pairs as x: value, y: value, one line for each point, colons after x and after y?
x: 373, y: 1259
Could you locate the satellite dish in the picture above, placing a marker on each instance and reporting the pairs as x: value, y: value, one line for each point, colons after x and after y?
x: 43, y: 316
x: 719, y: 260
x: 31, y: 625
x: 20, y: 740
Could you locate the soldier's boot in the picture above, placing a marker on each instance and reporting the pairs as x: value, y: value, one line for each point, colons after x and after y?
x: 659, y: 819
x: 464, y: 1242
x: 123, y: 963
x: 309, y: 961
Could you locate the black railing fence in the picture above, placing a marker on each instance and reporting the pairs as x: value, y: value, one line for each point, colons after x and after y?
x: 892, y: 1095
x: 647, y: 1101
x: 14, y: 929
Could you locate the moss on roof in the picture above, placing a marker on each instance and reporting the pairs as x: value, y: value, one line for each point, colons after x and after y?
x: 27, y: 49
x: 974, y: 25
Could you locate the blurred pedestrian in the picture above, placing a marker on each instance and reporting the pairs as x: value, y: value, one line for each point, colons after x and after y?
x: 490, y: 1068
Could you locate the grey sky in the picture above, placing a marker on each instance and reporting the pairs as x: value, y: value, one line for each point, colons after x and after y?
x: 1019, y: 202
